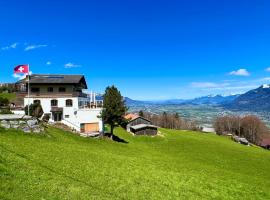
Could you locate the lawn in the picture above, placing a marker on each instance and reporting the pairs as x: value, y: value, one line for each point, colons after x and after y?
x: 175, y: 165
x: 9, y: 96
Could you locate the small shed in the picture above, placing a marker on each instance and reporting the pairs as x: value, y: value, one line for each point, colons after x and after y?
x: 144, y: 129
x: 140, y: 126
x: 137, y: 120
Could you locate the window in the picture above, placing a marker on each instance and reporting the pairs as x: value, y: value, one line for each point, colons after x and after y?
x: 69, y: 103
x: 54, y: 102
x: 62, y: 89
x: 50, y: 89
x: 35, y: 89
x: 66, y: 116
x: 36, y: 101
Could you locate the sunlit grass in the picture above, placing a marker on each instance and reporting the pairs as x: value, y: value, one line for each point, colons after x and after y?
x: 174, y: 165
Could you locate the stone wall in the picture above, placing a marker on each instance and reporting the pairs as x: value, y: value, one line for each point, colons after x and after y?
x: 26, y: 125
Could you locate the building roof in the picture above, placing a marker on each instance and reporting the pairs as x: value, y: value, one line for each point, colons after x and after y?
x: 131, y: 116
x: 56, y: 79
x: 141, y: 126
x: 265, y: 141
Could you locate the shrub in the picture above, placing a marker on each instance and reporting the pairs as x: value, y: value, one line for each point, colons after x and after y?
x: 35, y: 110
x: 5, y: 111
x: 4, y: 101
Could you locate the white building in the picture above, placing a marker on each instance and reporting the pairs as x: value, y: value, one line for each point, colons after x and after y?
x: 61, y: 98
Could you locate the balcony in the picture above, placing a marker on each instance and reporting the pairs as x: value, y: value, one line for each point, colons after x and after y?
x: 91, y: 105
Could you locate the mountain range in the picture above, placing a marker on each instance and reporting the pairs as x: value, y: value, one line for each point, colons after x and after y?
x: 254, y: 100
x: 204, y: 100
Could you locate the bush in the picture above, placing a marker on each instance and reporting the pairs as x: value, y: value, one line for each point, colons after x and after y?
x: 4, y: 101
x: 5, y: 111
x: 35, y: 110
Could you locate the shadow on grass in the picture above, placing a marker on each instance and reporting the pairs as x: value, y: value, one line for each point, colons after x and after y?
x: 115, y: 138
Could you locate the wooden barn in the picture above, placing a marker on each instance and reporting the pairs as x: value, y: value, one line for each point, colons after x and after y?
x: 144, y: 129
x: 140, y: 126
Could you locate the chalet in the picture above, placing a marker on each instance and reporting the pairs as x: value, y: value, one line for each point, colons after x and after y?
x: 139, y: 125
x: 62, y: 98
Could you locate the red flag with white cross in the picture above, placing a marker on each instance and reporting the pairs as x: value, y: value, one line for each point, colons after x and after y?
x: 21, y: 69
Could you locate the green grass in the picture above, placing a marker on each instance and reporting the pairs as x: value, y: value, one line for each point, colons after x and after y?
x: 176, y: 165
x: 9, y: 96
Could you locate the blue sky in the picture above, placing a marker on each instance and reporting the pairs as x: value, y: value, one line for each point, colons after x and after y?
x: 148, y: 49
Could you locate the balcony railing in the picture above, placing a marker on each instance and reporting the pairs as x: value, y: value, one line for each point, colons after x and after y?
x: 91, y: 105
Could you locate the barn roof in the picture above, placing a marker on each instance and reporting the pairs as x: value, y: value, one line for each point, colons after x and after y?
x: 141, y: 126
x: 131, y: 116
x: 56, y: 79
x: 265, y: 141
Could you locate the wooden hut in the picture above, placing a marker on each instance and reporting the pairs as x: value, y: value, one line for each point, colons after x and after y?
x: 140, y: 126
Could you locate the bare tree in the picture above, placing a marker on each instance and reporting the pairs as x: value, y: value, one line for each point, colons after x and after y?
x: 250, y: 127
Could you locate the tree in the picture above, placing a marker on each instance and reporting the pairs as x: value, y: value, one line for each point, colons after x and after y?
x: 141, y: 114
x: 114, y: 108
x: 250, y: 127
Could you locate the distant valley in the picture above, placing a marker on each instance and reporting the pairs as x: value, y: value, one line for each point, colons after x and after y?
x: 205, y: 109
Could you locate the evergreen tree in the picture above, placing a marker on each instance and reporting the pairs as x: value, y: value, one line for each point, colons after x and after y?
x: 141, y: 114
x: 114, y: 107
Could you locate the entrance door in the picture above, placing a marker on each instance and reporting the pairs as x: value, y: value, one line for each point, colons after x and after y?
x: 57, y: 116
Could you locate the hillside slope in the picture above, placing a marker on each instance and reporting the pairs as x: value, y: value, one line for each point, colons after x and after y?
x: 253, y: 100
x: 176, y: 165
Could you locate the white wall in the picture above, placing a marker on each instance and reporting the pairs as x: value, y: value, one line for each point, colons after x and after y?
x: 72, y: 116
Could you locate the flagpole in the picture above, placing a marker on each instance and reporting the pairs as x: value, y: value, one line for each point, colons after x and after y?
x: 28, y: 90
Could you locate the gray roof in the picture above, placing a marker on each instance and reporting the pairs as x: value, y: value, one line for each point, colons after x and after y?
x: 56, y: 79
x: 140, y: 126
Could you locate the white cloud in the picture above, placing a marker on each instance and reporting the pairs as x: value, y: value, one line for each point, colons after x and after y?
x: 267, y: 69
x: 240, y: 72
x: 12, y: 46
x: 32, y: 47
x: 208, y: 85
x: 265, y: 79
x: 21, y: 76
x: 48, y: 63
x: 71, y: 65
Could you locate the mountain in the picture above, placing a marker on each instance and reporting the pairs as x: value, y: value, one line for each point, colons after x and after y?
x: 253, y: 100
x: 205, y: 100
x: 131, y: 102
x: 212, y: 100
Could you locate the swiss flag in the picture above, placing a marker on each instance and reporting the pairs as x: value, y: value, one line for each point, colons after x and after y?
x: 21, y: 69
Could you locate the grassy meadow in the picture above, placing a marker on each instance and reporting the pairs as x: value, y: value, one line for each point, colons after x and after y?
x: 174, y: 165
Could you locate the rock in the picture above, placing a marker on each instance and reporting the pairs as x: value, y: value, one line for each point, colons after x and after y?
x: 26, y: 130
x: 13, y: 122
x: 37, y: 130
x: 32, y: 122
x: 15, y: 126
x: 5, y: 124
x: 22, y: 122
